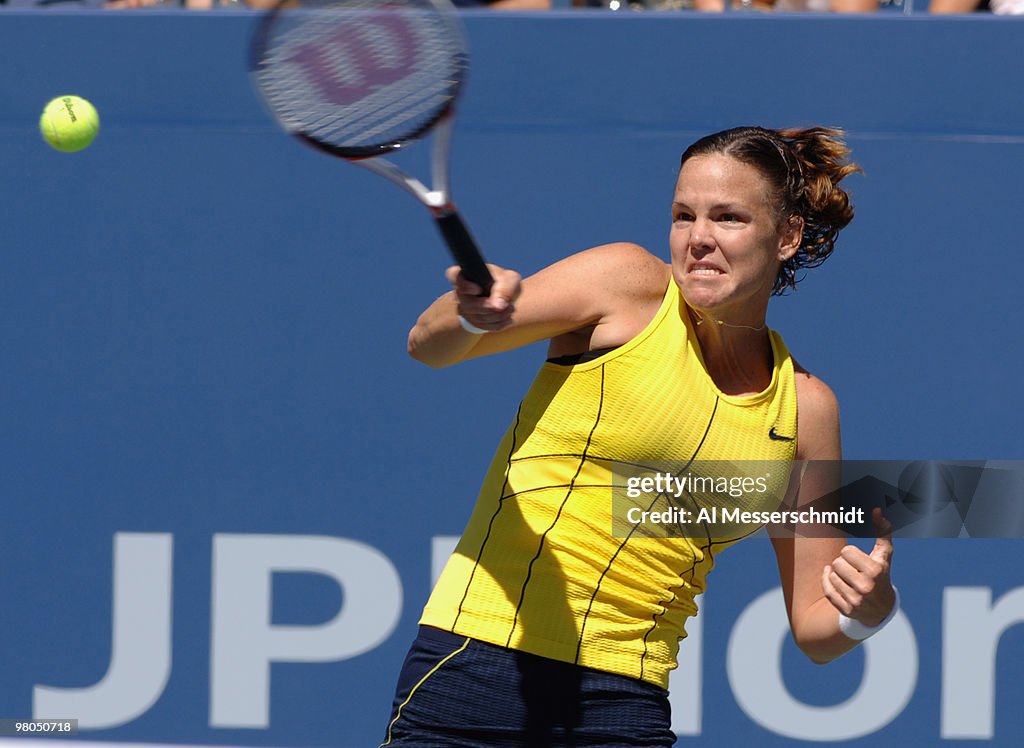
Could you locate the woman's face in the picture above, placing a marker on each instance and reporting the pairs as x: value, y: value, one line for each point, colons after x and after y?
x: 727, y: 240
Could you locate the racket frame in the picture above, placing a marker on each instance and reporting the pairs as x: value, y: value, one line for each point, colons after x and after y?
x: 437, y: 197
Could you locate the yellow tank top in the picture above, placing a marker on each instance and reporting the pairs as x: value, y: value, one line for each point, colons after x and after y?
x: 539, y: 567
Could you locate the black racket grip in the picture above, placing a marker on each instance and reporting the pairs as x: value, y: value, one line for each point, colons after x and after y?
x: 464, y: 250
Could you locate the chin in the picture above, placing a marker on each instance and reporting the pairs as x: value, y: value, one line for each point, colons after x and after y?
x: 699, y: 296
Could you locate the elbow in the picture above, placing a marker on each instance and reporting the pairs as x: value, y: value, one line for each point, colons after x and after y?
x: 822, y: 652
x: 819, y: 658
x: 421, y: 353
x: 816, y: 654
x: 412, y: 348
x: 415, y: 352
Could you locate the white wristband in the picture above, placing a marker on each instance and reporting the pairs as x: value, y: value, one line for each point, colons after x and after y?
x: 470, y: 327
x: 854, y: 629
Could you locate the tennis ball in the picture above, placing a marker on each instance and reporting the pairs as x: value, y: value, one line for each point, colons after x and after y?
x: 69, y: 123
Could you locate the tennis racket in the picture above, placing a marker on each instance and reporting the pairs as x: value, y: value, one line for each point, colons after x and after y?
x: 361, y: 79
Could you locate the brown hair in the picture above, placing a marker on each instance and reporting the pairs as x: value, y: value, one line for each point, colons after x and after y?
x: 803, y: 168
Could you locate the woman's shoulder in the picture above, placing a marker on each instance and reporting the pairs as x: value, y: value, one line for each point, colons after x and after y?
x: 626, y: 267
x: 599, y: 298
x: 817, y: 417
x: 625, y: 254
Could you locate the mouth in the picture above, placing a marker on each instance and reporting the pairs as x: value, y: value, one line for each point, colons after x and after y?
x: 704, y: 269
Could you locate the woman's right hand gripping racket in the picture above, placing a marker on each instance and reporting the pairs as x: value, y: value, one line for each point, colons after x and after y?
x: 359, y: 79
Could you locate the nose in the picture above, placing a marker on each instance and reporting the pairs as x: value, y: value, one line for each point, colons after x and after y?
x: 702, y: 238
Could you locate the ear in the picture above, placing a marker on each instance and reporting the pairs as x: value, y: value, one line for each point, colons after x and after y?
x: 792, y: 236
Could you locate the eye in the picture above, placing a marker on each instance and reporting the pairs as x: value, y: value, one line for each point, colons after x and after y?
x: 681, y: 216
x: 729, y: 218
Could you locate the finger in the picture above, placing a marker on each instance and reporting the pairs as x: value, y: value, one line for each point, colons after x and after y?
x: 851, y: 598
x: 467, y: 289
x: 492, y: 307
x: 497, y: 302
x: 487, y: 320
x: 849, y: 562
x: 853, y: 583
x: 882, y: 551
x: 832, y: 594
x: 506, y: 289
x: 860, y: 561
x: 461, y: 285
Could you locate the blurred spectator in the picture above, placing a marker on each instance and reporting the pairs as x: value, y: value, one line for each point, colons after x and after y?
x: 119, y: 4
x: 495, y: 4
x: 854, y: 6
x: 1005, y: 7
x: 259, y: 4
x: 813, y: 6
x: 505, y: 4
x: 999, y: 7
x: 712, y: 6
x: 952, y: 6
x: 189, y: 4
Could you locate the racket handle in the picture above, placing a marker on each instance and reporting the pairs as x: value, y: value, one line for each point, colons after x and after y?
x: 464, y: 250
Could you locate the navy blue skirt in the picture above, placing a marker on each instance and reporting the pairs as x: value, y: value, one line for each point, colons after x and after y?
x: 460, y: 693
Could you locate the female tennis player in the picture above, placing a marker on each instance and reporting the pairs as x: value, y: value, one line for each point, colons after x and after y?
x: 547, y: 628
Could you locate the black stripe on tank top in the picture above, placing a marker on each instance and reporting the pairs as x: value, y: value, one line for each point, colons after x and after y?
x: 611, y: 561
x: 665, y: 605
x: 565, y: 500
x: 580, y: 358
x: 490, y: 525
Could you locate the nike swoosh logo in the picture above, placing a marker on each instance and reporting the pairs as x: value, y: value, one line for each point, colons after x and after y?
x: 779, y: 437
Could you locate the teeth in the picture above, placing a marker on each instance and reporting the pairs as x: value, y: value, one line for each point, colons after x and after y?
x: 706, y: 271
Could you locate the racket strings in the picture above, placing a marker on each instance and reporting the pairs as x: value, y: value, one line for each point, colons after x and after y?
x: 373, y: 125
x: 353, y: 75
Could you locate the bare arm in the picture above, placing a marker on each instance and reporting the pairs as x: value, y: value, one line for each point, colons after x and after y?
x: 946, y: 7
x: 520, y: 5
x: 854, y: 6
x: 823, y: 576
x: 593, y: 299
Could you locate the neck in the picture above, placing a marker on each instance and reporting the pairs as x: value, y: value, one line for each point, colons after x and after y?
x: 723, y: 323
x: 738, y: 356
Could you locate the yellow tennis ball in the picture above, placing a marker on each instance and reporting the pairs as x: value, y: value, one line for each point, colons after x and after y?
x: 69, y: 123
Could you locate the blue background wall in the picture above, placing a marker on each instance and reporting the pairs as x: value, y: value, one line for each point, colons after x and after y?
x: 202, y: 322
